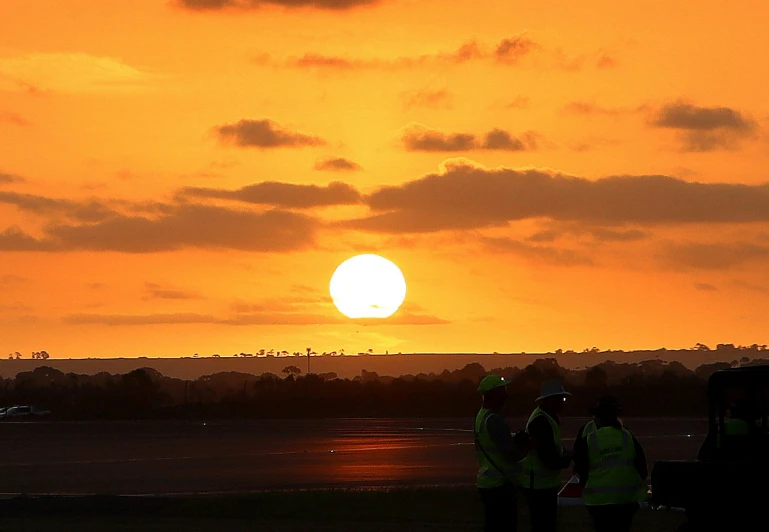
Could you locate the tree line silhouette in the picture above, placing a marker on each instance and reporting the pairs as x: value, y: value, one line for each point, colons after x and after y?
x: 649, y: 388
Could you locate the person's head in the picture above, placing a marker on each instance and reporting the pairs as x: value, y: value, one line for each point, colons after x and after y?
x: 552, y: 396
x: 493, y: 388
x: 606, y: 410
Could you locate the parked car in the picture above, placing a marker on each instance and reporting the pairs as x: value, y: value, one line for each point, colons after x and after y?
x: 22, y: 412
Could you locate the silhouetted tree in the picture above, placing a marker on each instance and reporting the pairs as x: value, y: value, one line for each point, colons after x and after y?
x: 291, y: 370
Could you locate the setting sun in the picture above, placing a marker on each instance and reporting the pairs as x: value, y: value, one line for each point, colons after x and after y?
x: 367, y: 286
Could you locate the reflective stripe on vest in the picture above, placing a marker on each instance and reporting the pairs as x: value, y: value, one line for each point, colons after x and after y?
x: 613, y: 478
x: 489, y: 475
x: 589, y: 429
x: 535, y: 475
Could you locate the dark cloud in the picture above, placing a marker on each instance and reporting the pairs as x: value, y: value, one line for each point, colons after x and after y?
x: 423, y: 139
x: 14, y: 239
x: 705, y: 287
x: 337, y: 164
x: 687, y: 116
x: 511, y: 51
x: 705, y: 128
x: 333, y: 5
x: 420, y: 138
x: 88, y: 211
x: 466, y: 197
x: 498, y: 139
x: 282, y: 194
x: 156, y: 291
x: 713, y: 256
x: 10, y: 178
x: 186, y: 226
x: 264, y: 134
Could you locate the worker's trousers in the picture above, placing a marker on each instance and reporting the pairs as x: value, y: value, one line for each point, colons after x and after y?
x: 543, y: 509
x: 500, y: 509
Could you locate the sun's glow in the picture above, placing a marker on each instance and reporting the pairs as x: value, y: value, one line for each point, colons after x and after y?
x: 367, y: 286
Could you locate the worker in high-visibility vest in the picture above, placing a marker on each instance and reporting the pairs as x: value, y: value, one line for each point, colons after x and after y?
x: 541, y: 475
x: 499, y: 454
x: 740, y: 440
x: 612, y: 468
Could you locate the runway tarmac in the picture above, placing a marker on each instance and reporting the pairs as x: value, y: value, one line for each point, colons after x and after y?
x: 193, y: 457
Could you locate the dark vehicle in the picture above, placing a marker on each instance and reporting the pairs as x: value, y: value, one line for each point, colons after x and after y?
x: 21, y: 412
x: 727, y: 486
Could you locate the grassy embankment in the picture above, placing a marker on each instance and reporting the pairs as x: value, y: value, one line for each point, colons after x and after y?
x: 376, y: 511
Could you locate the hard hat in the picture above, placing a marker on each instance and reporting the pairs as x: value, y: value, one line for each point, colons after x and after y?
x: 490, y: 382
x: 550, y: 389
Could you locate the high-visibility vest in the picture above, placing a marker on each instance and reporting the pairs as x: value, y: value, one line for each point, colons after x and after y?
x: 737, y: 427
x: 495, y: 468
x: 590, y: 427
x: 613, y: 478
x: 535, y: 474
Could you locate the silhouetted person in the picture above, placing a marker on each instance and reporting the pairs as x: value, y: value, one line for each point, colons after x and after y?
x: 499, y: 454
x: 612, y: 468
x: 541, y: 476
x: 741, y: 440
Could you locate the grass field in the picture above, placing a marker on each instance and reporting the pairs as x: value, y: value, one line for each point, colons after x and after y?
x: 422, y: 509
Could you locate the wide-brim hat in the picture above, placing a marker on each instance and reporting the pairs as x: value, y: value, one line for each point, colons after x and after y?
x: 551, y: 389
x: 491, y: 382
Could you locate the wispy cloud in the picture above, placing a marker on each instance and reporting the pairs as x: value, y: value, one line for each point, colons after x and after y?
x: 438, y: 99
x: 260, y: 318
x: 10, y: 178
x: 72, y: 73
x: 218, y: 5
x: 13, y: 118
x: 158, y: 291
x: 712, y: 255
x: 282, y: 194
x: 507, y: 52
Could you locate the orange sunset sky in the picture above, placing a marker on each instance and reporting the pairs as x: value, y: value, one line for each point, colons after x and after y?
x: 182, y: 177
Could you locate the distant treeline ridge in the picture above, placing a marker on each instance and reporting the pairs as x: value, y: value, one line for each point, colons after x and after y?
x: 650, y: 388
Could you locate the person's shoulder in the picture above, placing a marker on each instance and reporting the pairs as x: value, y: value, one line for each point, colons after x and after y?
x: 496, y: 419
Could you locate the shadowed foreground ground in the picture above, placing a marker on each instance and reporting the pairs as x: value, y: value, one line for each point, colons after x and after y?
x: 339, y: 510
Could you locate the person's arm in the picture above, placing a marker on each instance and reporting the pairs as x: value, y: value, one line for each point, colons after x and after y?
x: 500, y: 433
x: 640, y: 460
x: 543, y: 442
x: 581, y: 459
